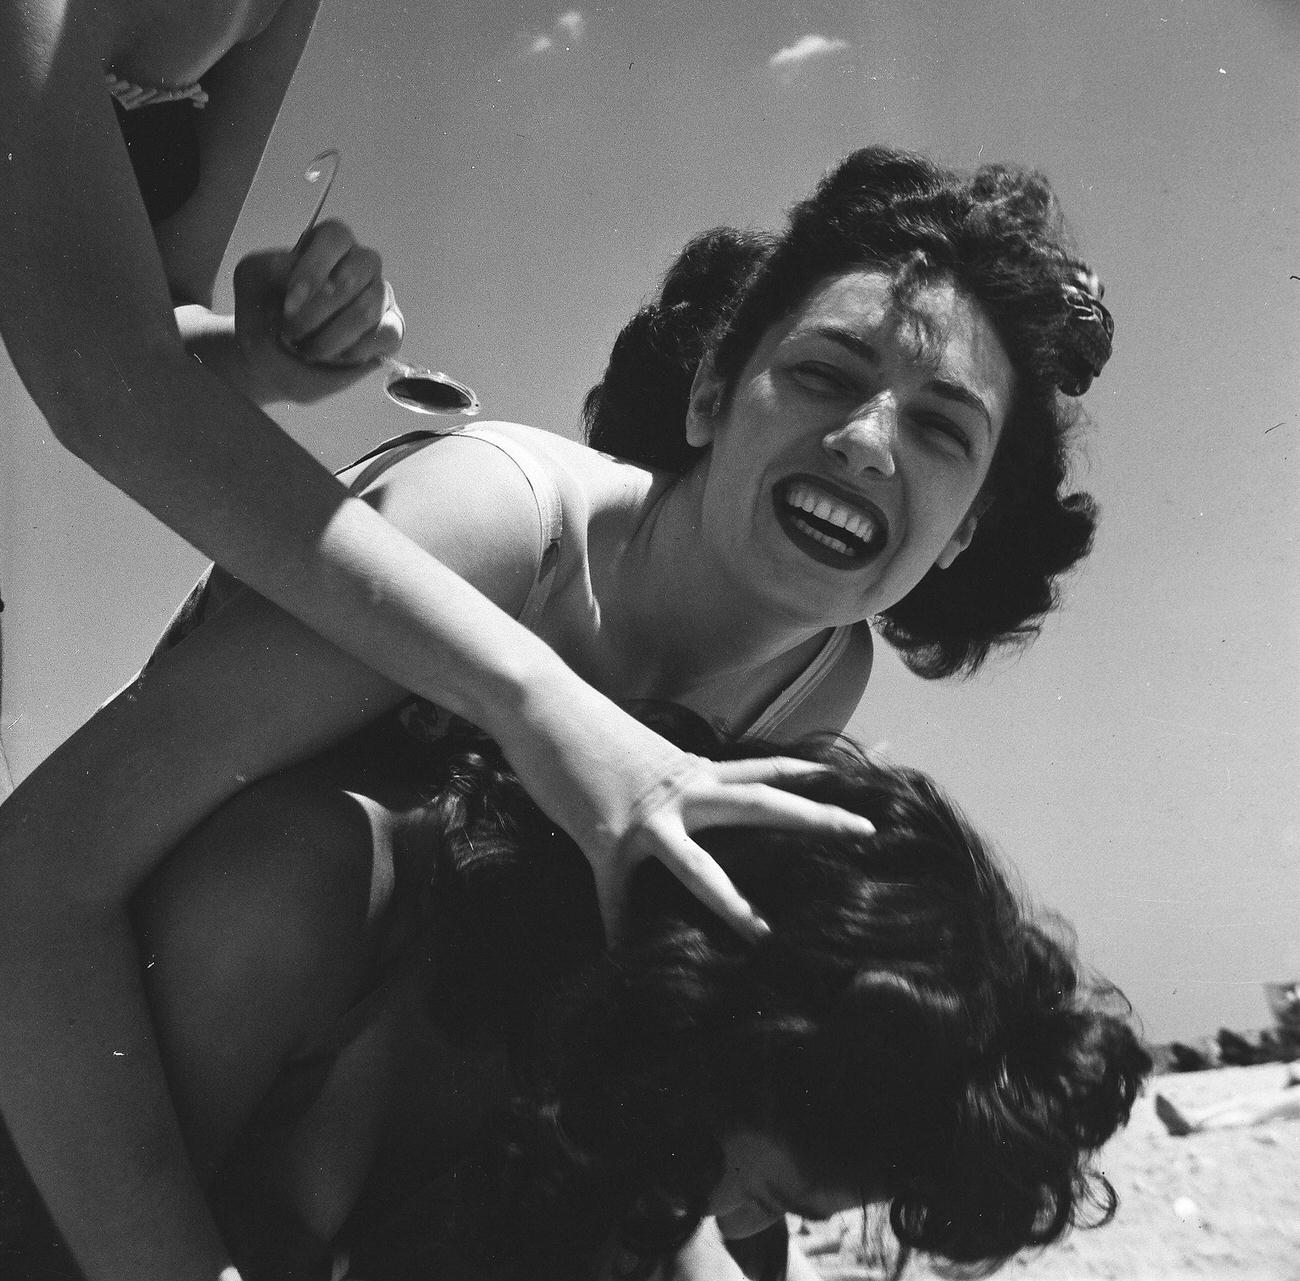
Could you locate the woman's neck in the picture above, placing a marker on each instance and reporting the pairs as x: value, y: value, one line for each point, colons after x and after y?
x: 672, y: 617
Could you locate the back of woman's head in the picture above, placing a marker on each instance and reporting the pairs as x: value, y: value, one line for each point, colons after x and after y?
x: 638, y: 409
x: 999, y: 235
x: 907, y: 1029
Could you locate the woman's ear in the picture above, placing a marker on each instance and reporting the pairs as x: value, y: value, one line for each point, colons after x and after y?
x: 704, y: 405
x: 965, y: 532
x: 957, y: 543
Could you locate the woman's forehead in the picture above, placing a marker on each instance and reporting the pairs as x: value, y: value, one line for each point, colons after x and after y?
x: 936, y: 325
x: 931, y: 314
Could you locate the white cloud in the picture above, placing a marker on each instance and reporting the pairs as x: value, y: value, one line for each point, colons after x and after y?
x: 571, y: 24
x: 804, y: 50
x: 569, y: 28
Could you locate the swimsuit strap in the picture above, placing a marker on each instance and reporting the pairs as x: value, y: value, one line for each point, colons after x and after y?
x: 550, y: 510
x: 132, y: 95
x: 799, y: 690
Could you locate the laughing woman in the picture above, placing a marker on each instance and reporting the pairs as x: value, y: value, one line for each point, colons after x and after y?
x: 858, y: 419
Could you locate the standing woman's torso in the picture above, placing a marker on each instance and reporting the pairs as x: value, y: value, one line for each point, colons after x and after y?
x: 176, y: 42
x: 156, y: 57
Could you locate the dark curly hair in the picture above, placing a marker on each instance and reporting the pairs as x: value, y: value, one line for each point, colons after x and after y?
x: 907, y: 1029
x: 999, y: 235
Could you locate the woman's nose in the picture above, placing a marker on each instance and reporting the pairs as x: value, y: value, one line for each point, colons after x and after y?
x: 866, y: 440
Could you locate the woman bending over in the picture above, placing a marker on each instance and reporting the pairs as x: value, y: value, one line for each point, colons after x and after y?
x: 424, y: 1062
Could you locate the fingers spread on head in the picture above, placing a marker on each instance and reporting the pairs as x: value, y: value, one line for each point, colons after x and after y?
x: 696, y: 869
x: 759, y: 805
x: 663, y: 836
x: 769, y: 769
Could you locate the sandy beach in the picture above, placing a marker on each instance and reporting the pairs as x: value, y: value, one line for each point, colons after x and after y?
x: 1223, y: 1204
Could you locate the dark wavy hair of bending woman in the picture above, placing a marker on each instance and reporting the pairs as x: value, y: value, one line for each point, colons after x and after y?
x: 998, y: 234
x: 907, y: 1029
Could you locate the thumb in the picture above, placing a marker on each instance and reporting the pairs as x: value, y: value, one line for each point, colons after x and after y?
x: 263, y: 269
x: 611, y: 898
x: 259, y: 281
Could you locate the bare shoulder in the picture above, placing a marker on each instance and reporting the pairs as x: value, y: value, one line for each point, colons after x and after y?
x: 284, y: 891
x: 590, y: 484
x: 293, y: 857
x: 473, y: 499
x: 583, y: 473
x: 260, y: 932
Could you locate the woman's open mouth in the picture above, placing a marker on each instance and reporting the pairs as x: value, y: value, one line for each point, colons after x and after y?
x: 827, y: 526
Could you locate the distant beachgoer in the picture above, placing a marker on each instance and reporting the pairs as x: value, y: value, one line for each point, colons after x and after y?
x: 1280, y: 1104
x: 1284, y: 1003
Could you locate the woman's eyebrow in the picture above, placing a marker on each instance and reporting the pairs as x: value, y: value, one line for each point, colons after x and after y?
x: 959, y: 394
x: 848, y: 339
x: 944, y: 388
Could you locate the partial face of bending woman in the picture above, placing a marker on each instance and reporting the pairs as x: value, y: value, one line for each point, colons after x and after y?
x: 763, y: 1181
x: 849, y: 457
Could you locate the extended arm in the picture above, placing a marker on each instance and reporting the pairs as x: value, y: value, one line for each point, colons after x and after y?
x: 82, y: 834
x: 85, y: 308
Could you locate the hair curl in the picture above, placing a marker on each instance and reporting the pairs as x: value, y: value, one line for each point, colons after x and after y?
x: 999, y: 235
x: 907, y: 1029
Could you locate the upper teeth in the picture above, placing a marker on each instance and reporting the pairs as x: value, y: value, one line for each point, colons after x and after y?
x: 825, y: 508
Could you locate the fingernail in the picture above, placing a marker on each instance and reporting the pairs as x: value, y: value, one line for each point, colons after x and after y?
x: 295, y: 298
x: 761, y: 929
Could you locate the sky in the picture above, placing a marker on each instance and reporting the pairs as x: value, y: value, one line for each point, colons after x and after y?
x: 528, y: 172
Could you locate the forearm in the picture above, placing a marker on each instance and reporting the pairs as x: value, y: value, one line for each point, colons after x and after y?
x: 81, y: 1087
x: 210, y: 338
x: 88, y: 1107
x: 574, y: 749
x: 231, y: 482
